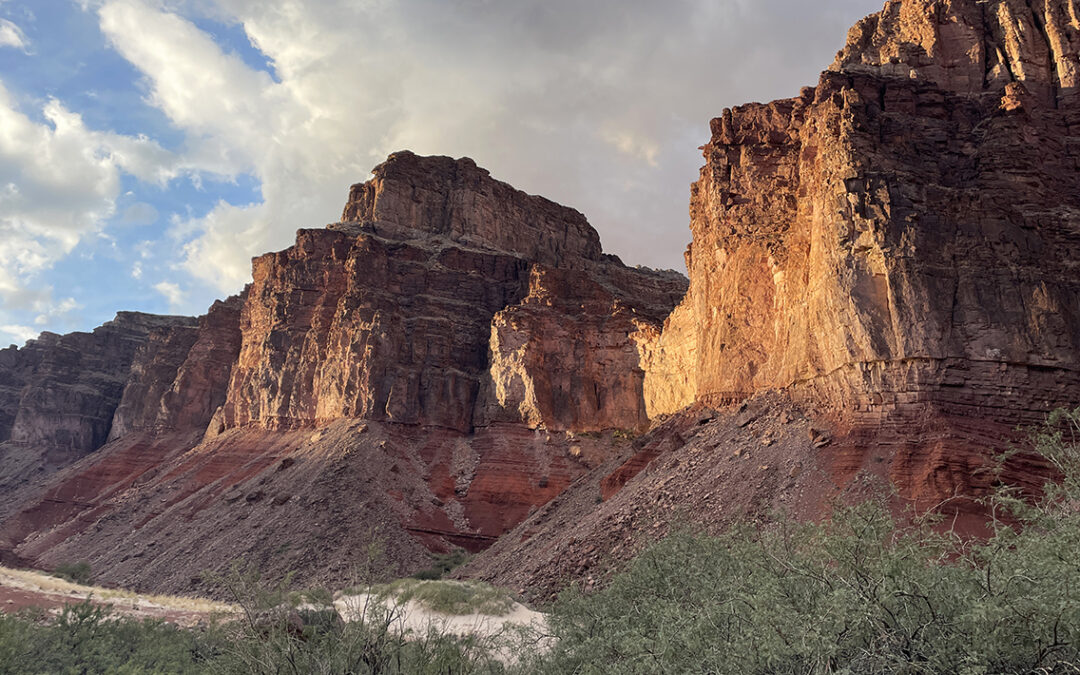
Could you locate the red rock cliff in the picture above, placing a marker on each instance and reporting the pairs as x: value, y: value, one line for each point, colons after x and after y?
x: 406, y: 374
x: 398, y: 313
x: 900, y: 243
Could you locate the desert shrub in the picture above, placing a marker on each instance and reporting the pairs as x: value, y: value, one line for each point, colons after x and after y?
x: 449, y: 597
x: 272, y: 637
x: 860, y: 593
x: 78, y: 572
x: 442, y: 564
x: 319, y: 596
x: 86, y: 638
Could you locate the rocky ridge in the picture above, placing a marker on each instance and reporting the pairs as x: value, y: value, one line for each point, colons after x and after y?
x: 898, y: 244
x: 59, y: 392
x: 882, y: 285
x: 423, y: 364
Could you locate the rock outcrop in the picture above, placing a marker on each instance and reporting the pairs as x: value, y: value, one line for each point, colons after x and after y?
x: 179, y: 378
x: 58, y: 394
x: 415, y: 374
x: 900, y: 242
x: 414, y: 307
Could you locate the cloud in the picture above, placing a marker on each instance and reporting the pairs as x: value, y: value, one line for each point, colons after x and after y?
x: 11, y: 35
x: 140, y: 213
x: 172, y: 292
x: 59, y: 182
x: 598, y: 105
x: 15, y: 334
x: 52, y: 312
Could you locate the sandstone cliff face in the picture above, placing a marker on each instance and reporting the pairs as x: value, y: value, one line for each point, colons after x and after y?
x: 411, y: 374
x: 411, y: 197
x: 179, y: 377
x: 58, y: 393
x: 447, y: 299
x: 564, y: 358
x: 354, y: 325
x: 61, y: 391
x: 902, y: 240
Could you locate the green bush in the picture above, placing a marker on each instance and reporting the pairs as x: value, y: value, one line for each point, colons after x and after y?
x: 442, y: 564
x: 448, y: 597
x: 85, y: 638
x: 79, y: 572
x: 273, y: 638
x: 858, y: 594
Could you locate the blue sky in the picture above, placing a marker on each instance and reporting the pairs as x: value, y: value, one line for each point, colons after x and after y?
x: 150, y: 148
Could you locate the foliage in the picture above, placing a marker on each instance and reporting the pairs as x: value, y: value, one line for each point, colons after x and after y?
x: 274, y: 638
x: 78, y: 572
x: 449, y: 597
x: 86, y: 638
x: 859, y: 594
x: 442, y: 564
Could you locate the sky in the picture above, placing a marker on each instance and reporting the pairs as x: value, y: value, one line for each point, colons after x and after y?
x: 150, y: 148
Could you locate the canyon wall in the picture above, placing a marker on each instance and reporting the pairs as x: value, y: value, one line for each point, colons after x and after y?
x: 58, y: 394
x: 414, y: 374
x: 898, y: 246
x: 908, y: 231
x: 883, y: 278
x: 446, y: 298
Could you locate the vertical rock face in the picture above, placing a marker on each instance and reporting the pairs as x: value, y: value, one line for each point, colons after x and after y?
x: 414, y: 197
x: 60, y: 392
x: 179, y: 377
x: 446, y: 298
x: 354, y: 325
x: 566, y: 356
x: 904, y: 230
x: 901, y: 241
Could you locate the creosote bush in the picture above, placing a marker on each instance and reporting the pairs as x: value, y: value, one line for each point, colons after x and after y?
x: 85, y: 638
x: 857, y: 594
x: 448, y: 597
x: 78, y: 572
x: 442, y: 564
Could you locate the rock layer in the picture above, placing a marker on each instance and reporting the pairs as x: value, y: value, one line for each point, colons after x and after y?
x: 900, y: 242
x: 389, y: 314
x: 58, y: 394
x: 413, y: 374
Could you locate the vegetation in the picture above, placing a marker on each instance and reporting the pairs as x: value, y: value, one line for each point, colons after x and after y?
x: 442, y: 564
x: 77, y: 573
x: 273, y: 638
x: 857, y: 594
x: 448, y: 597
x: 86, y: 638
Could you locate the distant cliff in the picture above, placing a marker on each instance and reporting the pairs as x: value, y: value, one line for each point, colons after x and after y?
x: 426, y: 360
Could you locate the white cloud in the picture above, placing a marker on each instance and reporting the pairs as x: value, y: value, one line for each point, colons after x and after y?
x: 172, y: 292
x: 598, y: 105
x: 48, y: 313
x: 15, y: 334
x: 136, y: 271
x: 59, y: 182
x: 140, y: 213
x: 11, y: 35
x: 55, y: 311
x: 629, y: 144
